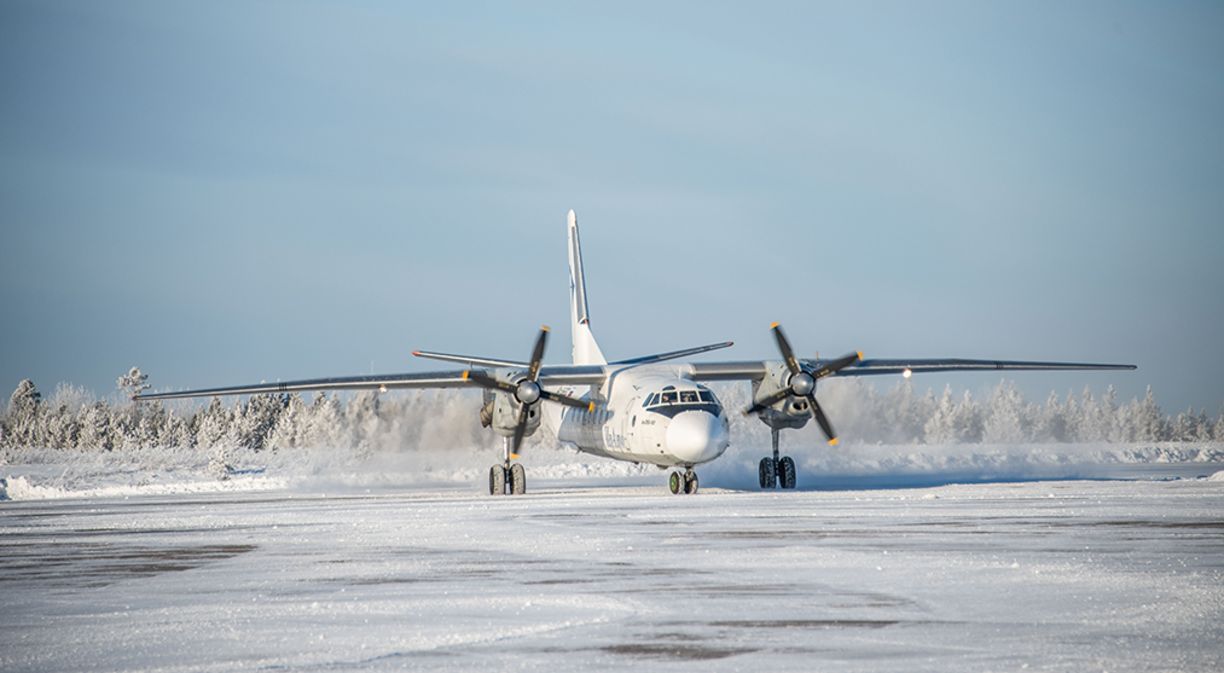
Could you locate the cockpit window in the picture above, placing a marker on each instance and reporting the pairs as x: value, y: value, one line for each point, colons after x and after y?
x: 650, y: 399
x: 705, y: 396
x: 688, y: 396
x: 668, y: 397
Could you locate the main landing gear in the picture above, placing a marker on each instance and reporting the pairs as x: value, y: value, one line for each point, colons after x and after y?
x: 776, y: 471
x: 683, y: 483
x: 507, y: 478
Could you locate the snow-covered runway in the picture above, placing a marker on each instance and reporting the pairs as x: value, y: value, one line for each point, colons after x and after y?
x: 1061, y: 575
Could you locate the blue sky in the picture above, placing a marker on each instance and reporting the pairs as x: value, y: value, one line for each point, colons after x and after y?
x: 225, y: 193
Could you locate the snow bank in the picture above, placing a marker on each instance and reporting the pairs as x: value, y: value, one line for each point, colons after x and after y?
x: 1218, y: 476
x: 148, y: 472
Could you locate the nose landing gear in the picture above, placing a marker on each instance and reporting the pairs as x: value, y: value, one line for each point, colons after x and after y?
x: 777, y: 471
x: 683, y: 483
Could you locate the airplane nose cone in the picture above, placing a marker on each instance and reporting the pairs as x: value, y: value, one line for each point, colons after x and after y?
x: 696, y: 436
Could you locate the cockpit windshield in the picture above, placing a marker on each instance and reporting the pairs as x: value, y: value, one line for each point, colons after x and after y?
x: 670, y: 401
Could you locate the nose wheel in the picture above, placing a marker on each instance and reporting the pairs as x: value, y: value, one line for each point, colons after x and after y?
x: 683, y: 483
x: 775, y: 471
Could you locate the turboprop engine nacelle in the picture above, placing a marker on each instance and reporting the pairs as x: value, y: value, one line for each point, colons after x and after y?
x: 501, y: 410
x: 789, y: 412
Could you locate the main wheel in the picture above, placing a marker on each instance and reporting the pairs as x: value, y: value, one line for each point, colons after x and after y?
x: 675, y: 483
x: 768, y: 473
x: 497, y: 480
x: 786, y: 472
x: 518, y: 479
x: 690, y: 483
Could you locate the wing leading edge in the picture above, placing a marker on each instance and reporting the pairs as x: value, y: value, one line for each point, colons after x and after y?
x: 756, y: 369
x: 556, y: 375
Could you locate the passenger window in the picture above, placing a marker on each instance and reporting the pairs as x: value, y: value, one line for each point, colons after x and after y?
x: 688, y: 396
x: 668, y: 397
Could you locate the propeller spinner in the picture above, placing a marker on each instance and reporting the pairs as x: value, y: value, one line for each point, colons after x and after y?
x: 527, y: 391
x: 802, y: 383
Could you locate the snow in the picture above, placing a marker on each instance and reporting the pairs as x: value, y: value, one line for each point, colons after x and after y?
x: 324, y: 561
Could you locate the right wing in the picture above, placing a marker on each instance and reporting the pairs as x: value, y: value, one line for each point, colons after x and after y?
x: 556, y: 375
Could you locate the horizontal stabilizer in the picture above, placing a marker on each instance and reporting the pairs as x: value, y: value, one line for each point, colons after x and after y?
x: 672, y: 355
x: 469, y: 360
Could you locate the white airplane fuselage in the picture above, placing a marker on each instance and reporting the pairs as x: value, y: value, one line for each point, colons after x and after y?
x: 650, y: 414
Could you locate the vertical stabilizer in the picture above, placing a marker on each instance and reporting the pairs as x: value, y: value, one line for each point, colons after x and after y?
x: 586, y: 351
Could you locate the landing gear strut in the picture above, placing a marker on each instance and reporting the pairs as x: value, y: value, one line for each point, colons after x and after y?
x: 683, y: 483
x: 507, y: 477
x: 775, y: 471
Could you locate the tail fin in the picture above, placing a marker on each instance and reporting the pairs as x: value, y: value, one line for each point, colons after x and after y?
x: 586, y: 351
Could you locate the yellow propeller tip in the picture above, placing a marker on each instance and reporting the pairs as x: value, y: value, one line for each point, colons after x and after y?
x: 545, y: 328
x: 465, y: 374
x: 773, y: 325
x: 860, y: 354
x: 833, y: 442
x: 514, y: 456
x: 591, y: 408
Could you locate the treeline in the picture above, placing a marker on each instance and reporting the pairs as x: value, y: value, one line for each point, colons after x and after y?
x: 367, y: 421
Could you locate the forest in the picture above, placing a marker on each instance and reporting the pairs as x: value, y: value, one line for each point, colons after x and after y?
x: 74, y: 418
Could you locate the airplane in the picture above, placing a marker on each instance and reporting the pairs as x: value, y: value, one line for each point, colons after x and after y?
x: 648, y: 409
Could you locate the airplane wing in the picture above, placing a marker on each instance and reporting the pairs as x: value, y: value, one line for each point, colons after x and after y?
x: 748, y: 370
x: 915, y: 366
x: 556, y: 375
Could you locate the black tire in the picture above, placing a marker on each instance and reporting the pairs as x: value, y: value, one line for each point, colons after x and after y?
x: 690, y: 483
x: 675, y: 483
x: 786, y: 472
x: 518, y: 479
x: 497, y: 480
x: 768, y: 473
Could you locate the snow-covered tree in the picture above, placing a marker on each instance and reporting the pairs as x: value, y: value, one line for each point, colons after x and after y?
x: 325, y: 428
x: 215, y: 425
x: 1005, y: 417
x: 1146, y: 419
x: 1050, y: 424
x: 95, y: 422
x: 290, y: 429
x: 256, y: 419
x: 133, y: 382
x: 22, y: 420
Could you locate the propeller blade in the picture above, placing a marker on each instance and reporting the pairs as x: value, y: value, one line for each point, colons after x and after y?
x: 520, y: 430
x: 837, y: 365
x: 537, y: 354
x: 485, y: 381
x: 567, y: 400
x: 768, y: 402
x: 788, y: 353
x: 818, y: 413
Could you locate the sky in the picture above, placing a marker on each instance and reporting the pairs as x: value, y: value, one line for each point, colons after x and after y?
x: 226, y: 193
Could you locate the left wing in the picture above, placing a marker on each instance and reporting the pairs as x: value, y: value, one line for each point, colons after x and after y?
x: 750, y: 370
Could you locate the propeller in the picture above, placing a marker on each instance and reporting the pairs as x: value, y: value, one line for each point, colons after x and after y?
x: 802, y: 382
x: 527, y: 391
